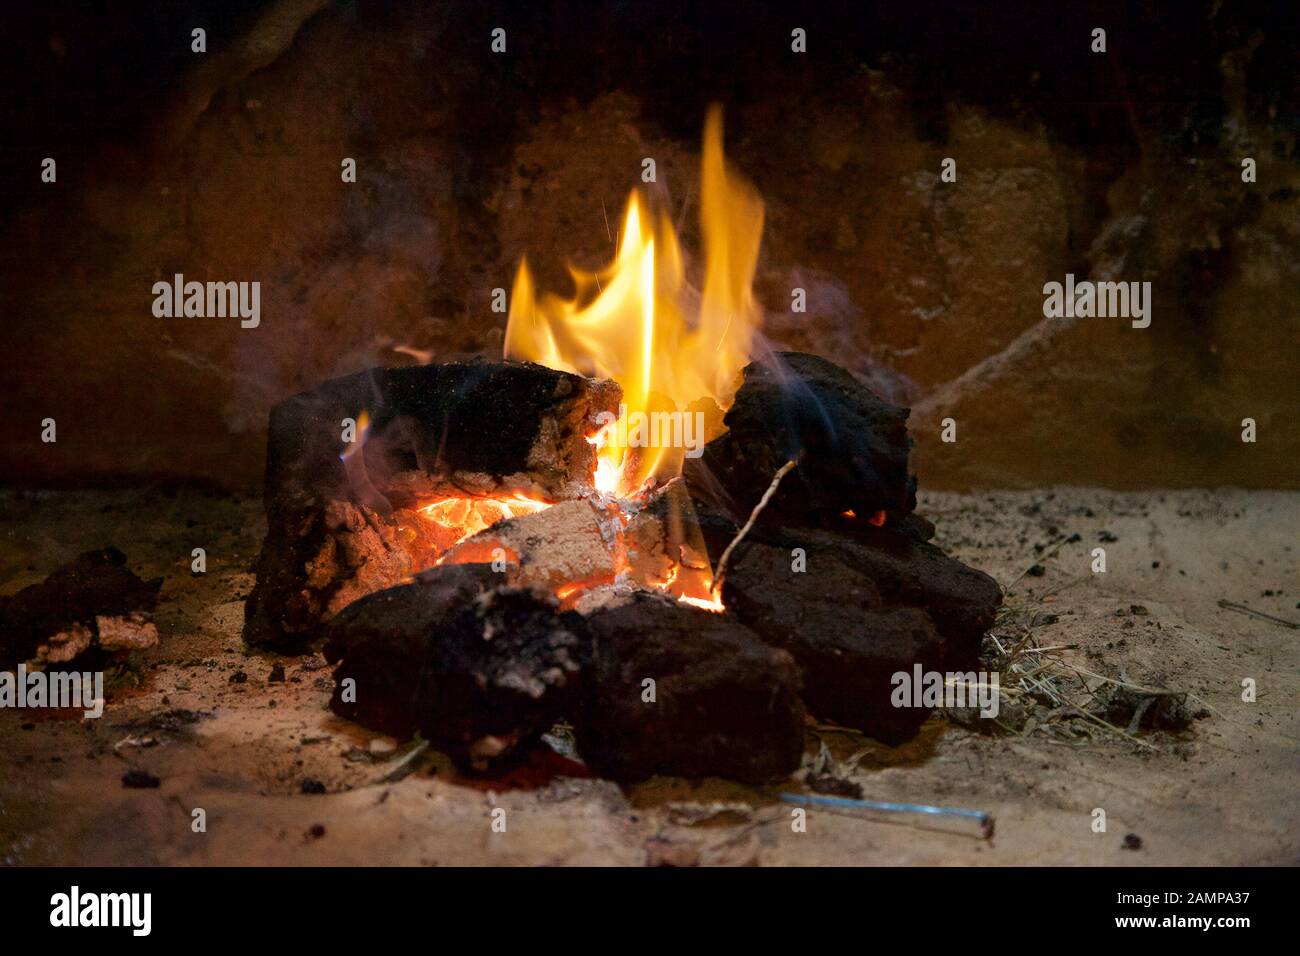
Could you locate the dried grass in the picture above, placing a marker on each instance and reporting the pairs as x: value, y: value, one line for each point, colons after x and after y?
x: 1042, y: 691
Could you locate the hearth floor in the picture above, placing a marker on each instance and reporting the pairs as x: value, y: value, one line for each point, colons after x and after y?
x: 1224, y: 792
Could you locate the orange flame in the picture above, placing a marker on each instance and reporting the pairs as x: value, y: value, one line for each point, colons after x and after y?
x: 640, y: 323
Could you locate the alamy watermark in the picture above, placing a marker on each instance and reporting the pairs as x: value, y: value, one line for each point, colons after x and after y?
x: 654, y: 429
x: 62, y: 689
x: 922, y: 688
x: 208, y: 300
x: 75, y: 908
x: 1127, y: 300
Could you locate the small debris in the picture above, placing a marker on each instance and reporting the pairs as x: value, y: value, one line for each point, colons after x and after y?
x: 238, y: 677
x: 835, y: 786
x: 1132, y: 842
x: 686, y: 813
x: 169, y: 721
x: 1152, y: 708
x: 316, y: 831
x: 277, y: 674
x: 309, y: 785
x: 140, y: 780
x: 661, y: 851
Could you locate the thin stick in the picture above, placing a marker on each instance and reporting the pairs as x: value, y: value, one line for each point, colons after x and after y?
x: 753, y: 516
x: 1233, y: 606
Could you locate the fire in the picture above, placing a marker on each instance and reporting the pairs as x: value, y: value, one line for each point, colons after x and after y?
x: 463, y: 517
x: 675, y: 342
x: 640, y: 322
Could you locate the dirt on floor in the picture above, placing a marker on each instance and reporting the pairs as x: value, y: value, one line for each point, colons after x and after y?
x: 280, y: 780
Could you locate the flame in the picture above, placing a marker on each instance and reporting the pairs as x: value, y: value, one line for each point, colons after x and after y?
x: 361, y: 432
x: 708, y: 604
x: 639, y: 322
x: 681, y: 590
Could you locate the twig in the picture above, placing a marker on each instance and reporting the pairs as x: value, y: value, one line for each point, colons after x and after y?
x: 1127, y: 685
x: 753, y: 516
x: 1233, y: 606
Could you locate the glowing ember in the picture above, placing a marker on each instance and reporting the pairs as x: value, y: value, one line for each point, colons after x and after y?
x: 877, y: 519
x: 639, y: 321
x: 708, y: 604
x: 468, y: 516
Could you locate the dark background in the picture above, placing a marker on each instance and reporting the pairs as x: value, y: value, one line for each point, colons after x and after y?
x: 225, y: 166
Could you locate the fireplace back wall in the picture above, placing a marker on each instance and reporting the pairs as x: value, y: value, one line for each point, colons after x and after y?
x: 226, y: 166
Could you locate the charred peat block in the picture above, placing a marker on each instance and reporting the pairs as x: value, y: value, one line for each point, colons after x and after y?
x: 341, y: 517
x: 483, y: 670
x: 63, y: 615
x: 852, y: 446
x: 725, y: 704
x: 504, y: 671
x: 847, y: 643
x: 480, y: 669
x: 872, y: 601
x: 381, y: 643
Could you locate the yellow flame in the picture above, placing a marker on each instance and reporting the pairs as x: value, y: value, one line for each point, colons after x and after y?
x: 360, y: 432
x: 639, y: 322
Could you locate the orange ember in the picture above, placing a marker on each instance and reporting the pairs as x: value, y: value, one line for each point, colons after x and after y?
x: 877, y: 519
x: 464, y: 517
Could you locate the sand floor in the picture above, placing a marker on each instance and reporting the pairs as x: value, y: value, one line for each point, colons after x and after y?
x: 1223, y: 792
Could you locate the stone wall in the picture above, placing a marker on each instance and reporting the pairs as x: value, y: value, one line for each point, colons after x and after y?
x: 1121, y: 165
